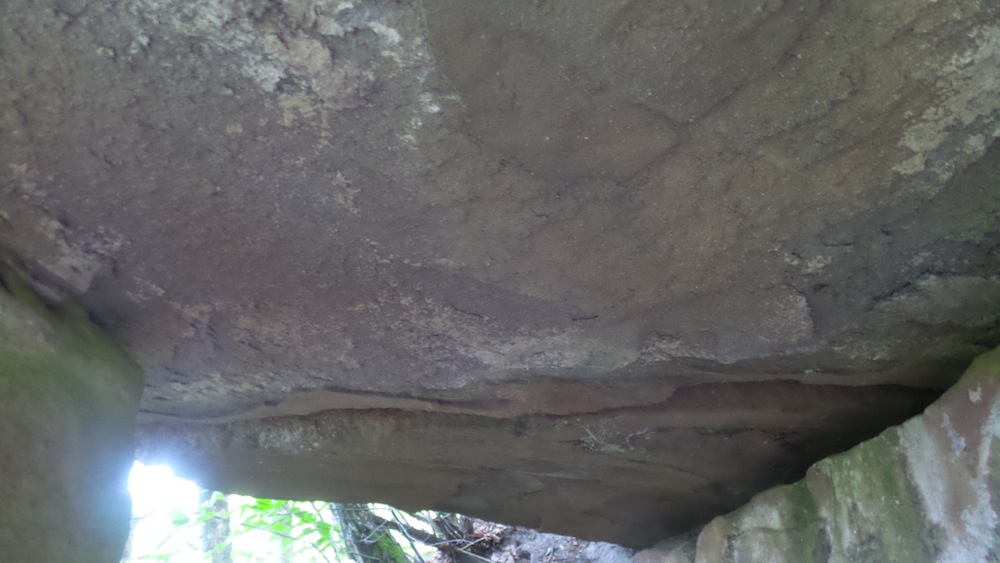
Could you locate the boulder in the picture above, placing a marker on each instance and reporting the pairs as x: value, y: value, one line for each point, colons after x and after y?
x: 923, y: 491
x: 607, y: 267
x: 68, y: 403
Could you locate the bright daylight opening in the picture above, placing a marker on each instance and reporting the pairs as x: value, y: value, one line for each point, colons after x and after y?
x: 161, y: 502
x: 175, y: 521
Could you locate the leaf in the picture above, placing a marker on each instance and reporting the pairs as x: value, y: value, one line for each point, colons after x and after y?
x: 178, y: 518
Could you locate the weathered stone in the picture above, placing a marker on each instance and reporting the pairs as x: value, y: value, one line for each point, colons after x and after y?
x: 924, y: 491
x: 680, y: 249
x: 679, y: 549
x: 68, y: 402
x: 520, y: 545
x: 632, y: 475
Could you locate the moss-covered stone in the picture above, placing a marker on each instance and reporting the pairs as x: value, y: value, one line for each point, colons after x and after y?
x: 922, y: 491
x: 68, y: 401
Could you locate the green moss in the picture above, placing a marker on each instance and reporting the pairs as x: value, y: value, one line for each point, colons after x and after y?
x: 55, y: 355
x: 13, y: 284
x: 797, y: 510
x: 873, y: 510
x: 68, y: 402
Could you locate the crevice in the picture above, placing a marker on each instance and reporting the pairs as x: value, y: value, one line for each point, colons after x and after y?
x: 464, y: 311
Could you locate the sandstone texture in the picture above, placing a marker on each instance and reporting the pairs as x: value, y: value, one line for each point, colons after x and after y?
x: 631, y: 475
x: 924, y: 491
x: 68, y: 403
x: 607, y: 267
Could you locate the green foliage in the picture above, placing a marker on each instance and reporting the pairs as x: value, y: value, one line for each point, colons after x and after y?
x: 300, y: 527
x: 298, y: 531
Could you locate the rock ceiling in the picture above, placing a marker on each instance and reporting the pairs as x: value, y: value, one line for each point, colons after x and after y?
x: 605, y: 267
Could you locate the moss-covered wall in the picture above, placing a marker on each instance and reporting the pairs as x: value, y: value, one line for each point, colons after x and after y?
x: 68, y: 402
x: 923, y: 491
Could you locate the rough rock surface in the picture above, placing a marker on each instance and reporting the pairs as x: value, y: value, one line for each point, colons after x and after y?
x: 511, y: 257
x: 503, y: 544
x: 68, y: 402
x: 632, y: 475
x: 924, y: 491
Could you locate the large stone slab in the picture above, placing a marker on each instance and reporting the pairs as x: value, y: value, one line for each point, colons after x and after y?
x: 68, y: 402
x: 753, y: 218
x: 630, y: 475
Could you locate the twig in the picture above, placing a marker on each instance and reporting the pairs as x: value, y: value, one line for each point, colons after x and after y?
x: 293, y: 538
x: 402, y: 529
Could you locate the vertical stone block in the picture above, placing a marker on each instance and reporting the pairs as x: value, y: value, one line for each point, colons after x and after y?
x: 922, y: 491
x: 68, y: 402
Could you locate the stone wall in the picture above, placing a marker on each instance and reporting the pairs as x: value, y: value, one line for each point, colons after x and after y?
x: 928, y: 490
x: 68, y: 402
